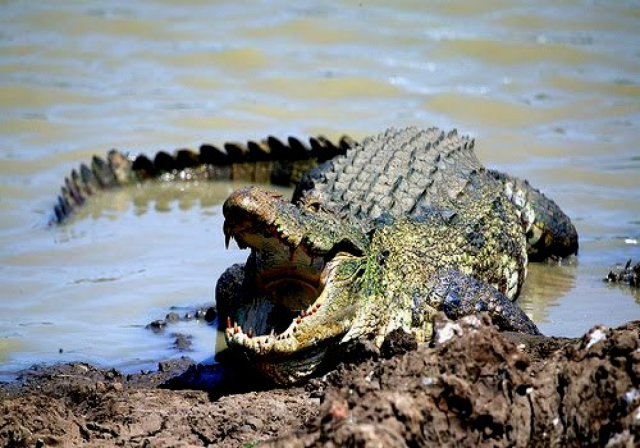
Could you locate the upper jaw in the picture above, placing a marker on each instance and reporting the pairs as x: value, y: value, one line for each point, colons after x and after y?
x: 252, y: 215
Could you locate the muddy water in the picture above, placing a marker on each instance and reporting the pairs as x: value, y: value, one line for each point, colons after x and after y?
x: 551, y: 92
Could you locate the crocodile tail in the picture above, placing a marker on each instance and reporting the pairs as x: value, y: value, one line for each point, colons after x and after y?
x: 550, y: 233
x: 267, y: 161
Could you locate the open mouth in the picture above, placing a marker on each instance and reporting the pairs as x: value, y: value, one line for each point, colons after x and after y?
x: 296, y: 272
x: 289, y: 289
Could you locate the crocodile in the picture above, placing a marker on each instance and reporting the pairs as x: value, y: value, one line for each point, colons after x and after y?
x: 379, y: 236
x: 404, y: 226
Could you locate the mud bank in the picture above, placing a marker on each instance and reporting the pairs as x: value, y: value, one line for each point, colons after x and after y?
x: 473, y: 387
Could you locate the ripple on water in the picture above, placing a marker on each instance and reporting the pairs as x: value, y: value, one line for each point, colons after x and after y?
x: 518, y: 54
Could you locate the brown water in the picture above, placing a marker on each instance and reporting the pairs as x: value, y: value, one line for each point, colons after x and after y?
x: 551, y: 92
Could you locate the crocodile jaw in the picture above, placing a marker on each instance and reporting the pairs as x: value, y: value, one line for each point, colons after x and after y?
x: 303, y: 265
x: 293, y: 354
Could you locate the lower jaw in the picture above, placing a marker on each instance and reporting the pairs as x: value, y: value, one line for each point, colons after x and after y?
x: 287, y: 370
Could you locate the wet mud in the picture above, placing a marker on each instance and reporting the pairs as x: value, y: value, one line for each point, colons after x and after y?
x: 473, y: 386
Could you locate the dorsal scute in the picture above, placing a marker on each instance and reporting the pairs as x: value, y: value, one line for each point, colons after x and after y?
x: 397, y: 171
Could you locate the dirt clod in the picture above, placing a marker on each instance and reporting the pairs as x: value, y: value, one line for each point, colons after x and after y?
x: 477, y: 387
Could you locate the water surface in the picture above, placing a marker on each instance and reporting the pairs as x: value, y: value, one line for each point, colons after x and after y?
x: 551, y: 92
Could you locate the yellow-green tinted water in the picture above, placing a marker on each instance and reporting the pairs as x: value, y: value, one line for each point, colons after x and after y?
x: 551, y: 92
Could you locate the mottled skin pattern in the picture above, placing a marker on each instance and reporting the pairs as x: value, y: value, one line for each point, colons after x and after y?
x: 402, y: 227
x: 549, y: 232
x: 378, y: 236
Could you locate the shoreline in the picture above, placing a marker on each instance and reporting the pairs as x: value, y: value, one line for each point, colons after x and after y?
x: 479, y: 385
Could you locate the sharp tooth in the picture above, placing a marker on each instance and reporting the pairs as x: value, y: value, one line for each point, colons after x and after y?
x: 236, y: 329
x: 250, y: 333
x: 228, y: 322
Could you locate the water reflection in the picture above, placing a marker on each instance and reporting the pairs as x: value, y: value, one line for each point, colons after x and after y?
x: 546, y: 284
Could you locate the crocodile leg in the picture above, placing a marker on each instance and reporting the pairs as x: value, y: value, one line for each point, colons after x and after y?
x: 460, y: 295
x: 549, y: 232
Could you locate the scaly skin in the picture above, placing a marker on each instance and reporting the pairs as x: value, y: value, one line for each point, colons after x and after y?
x: 268, y: 161
x: 379, y: 236
x: 549, y: 232
x: 357, y: 256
